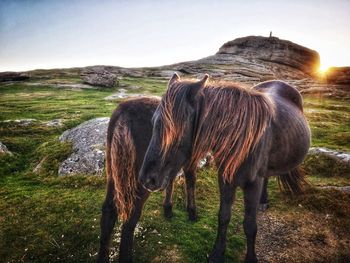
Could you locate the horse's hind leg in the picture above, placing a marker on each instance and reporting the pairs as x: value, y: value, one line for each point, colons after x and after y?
x: 227, y: 195
x: 128, y: 228
x: 252, y: 192
x: 190, y: 178
x: 108, y: 218
x: 264, y: 198
x: 167, y: 202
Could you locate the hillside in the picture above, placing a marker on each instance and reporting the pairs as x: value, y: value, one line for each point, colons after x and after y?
x: 247, y: 60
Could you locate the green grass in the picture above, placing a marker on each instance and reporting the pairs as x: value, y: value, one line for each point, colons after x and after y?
x: 45, y: 103
x: 330, y: 122
x: 46, y: 218
x: 151, y: 86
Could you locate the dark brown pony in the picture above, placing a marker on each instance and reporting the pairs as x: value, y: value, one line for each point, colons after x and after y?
x: 129, y: 133
x: 252, y: 134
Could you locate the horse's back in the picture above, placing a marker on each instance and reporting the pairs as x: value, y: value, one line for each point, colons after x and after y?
x: 140, y: 109
x: 282, y: 90
x: 289, y: 130
x: 135, y: 115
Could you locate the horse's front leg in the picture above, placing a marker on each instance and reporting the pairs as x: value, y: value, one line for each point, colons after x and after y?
x: 264, y: 198
x: 252, y: 192
x: 128, y: 228
x: 108, y: 219
x: 190, y: 178
x: 227, y: 195
x: 167, y: 202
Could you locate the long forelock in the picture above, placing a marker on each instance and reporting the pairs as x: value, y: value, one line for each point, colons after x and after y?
x: 173, y: 111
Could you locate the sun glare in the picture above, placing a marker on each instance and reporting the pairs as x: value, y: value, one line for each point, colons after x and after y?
x: 323, y: 69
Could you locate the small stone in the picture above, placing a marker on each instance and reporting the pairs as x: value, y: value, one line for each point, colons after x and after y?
x: 54, y: 123
x: 3, y: 149
x: 121, y: 94
x: 37, y: 168
x: 154, y: 231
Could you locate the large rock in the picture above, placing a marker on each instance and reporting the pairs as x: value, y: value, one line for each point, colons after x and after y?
x: 99, y: 77
x: 88, y: 141
x: 13, y: 76
x: 338, y: 75
x: 274, y: 50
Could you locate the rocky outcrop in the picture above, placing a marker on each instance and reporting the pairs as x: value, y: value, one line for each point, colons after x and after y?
x: 99, y: 77
x: 88, y: 141
x: 274, y: 50
x: 338, y: 75
x: 339, y: 156
x: 254, y: 59
x: 13, y: 76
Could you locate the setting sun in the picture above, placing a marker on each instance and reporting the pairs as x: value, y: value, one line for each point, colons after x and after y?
x: 323, y: 68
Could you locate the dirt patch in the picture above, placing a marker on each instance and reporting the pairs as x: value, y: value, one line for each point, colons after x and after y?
x: 169, y: 254
x: 279, y: 238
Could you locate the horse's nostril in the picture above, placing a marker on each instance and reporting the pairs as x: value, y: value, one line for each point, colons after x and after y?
x: 152, y: 181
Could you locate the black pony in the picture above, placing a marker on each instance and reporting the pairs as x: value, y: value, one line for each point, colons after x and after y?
x: 251, y: 133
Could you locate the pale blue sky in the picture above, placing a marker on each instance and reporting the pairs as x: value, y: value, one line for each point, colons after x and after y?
x: 66, y: 33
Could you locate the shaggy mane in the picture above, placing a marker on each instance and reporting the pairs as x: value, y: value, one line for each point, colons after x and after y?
x: 230, y: 121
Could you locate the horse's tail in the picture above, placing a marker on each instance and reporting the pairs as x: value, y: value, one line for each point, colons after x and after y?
x: 120, y: 166
x: 293, y: 182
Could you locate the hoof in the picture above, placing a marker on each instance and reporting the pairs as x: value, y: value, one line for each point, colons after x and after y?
x: 263, y: 207
x: 102, y: 259
x: 127, y: 259
x: 192, y: 215
x: 168, y: 211
x: 251, y: 260
x: 216, y: 257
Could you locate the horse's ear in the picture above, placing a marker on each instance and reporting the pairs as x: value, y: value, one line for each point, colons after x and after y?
x: 196, y: 87
x: 203, y: 81
x: 174, y: 78
x: 199, y: 85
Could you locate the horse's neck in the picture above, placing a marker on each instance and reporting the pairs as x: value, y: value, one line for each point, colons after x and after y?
x: 230, y: 126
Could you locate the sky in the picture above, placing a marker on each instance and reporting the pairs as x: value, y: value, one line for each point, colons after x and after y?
x: 134, y: 33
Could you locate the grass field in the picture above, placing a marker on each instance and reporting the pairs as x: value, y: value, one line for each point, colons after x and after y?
x: 46, y: 218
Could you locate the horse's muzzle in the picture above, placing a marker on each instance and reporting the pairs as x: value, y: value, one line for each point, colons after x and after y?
x: 150, y: 182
